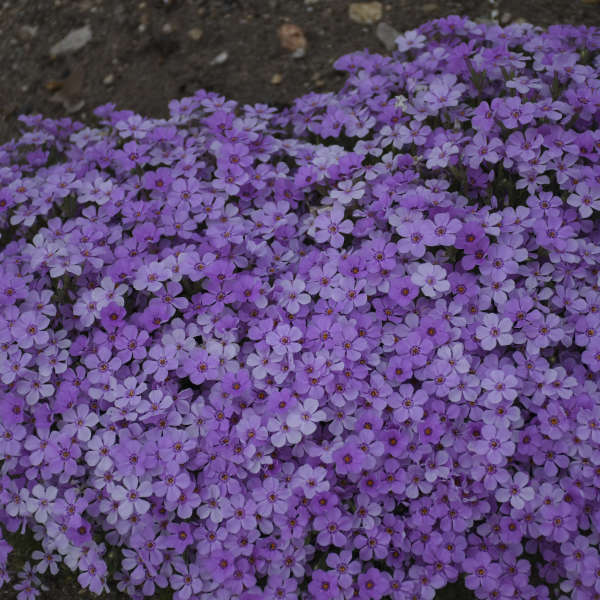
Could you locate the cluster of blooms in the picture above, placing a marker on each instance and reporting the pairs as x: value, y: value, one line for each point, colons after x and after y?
x: 346, y: 349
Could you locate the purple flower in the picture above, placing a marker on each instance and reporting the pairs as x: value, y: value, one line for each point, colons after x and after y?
x: 373, y: 584
x: 559, y: 522
x: 131, y: 458
x: 373, y: 544
x: 517, y: 492
x: 293, y: 295
x: 440, y: 156
x: 240, y: 513
x: 482, y: 149
x: 513, y: 113
x: 495, y: 444
x: 200, y: 366
x: 40, y: 502
x: 130, y: 496
x: 79, y: 422
x: 29, y: 329
x: 160, y: 361
x: 345, y: 568
x: 93, y: 573
x: 332, y: 528
x: 431, y: 279
x: 348, y: 459
x: 415, y: 237
x: 271, y: 498
x: 347, y: 191
x: 187, y: 581
x: 306, y: 416
x: 494, y: 330
x: 323, y: 585
x: 482, y: 572
x: 284, y: 340
x: 131, y: 343
x: 331, y: 225
x: 172, y: 482
x: 585, y: 199
x: 500, y: 385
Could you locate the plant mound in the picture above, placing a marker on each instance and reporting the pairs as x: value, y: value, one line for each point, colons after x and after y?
x: 346, y: 349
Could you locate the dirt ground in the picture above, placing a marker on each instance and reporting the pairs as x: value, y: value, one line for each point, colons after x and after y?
x: 143, y: 54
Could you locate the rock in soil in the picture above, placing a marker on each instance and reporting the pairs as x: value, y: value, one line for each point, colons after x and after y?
x: 387, y: 35
x: 73, y: 41
x: 365, y: 13
x: 220, y: 58
x: 195, y: 33
x: 291, y: 37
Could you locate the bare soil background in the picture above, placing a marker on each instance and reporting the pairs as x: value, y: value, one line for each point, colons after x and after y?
x: 143, y: 54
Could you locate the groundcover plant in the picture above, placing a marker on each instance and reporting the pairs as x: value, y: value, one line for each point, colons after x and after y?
x: 346, y: 349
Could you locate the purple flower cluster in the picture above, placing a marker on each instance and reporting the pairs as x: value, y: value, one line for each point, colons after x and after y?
x: 350, y: 349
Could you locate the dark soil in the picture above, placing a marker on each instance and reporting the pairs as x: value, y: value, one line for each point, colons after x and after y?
x: 146, y: 49
x: 142, y: 55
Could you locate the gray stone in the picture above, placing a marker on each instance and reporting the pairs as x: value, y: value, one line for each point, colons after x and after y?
x: 387, y: 35
x: 73, y: 41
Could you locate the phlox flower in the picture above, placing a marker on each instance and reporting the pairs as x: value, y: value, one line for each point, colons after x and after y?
x: 312, y: 480
x: 347, y: 191
x: 495, y: 443
x: 482, y: 572
x: 440, y: 156
x: 331, y: 225
x: 186, y: 581
x: 494, y: 331
x: 40, y: 502
x: 284, y: 340
x: 431, y: 279
x: 516, y: 491
x: 130, y: 494
x: 306, y: 416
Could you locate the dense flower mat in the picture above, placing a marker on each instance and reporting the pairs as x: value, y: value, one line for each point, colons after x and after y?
x: 347, y: 349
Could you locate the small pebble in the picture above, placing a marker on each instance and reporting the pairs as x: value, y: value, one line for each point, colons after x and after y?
x: 291, y: 37
x: 109, y: 79
x: 27, y: 32
x: 53, y: 85
x: 365, y: 13
x: 73, y: 41
x: 387, y: 35
x: 195, y: 33
x: 167, y: 28
x: 220, y: 58
x: 276, y: 79
x: 429, y: 7
x: 506, y: 18
x: 299, y: 53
